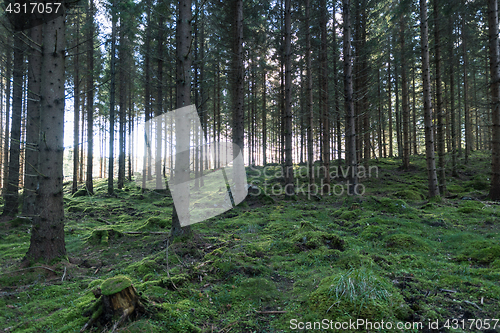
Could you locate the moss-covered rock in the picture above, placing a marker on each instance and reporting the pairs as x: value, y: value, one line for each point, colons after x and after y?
x: 470, y: 206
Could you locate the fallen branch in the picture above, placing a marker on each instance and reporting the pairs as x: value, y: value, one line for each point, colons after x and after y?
x: 473, y: 304
x: 271, y: 312
x: 145, y: 232
x: 448, y: 290
x: 24, y: 269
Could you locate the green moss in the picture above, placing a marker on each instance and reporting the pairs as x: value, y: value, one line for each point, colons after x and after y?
x: 103, y: 236
x: 144, y: 267
x: 405, y: 242
x: 154, y: 223
x: 357, y: 293
x: 453, y: 188
x: 470, y: 206
x: 20, y: 220
x: 392, y: 205
x: 255, y: 290
x: 81, y: 193
x: 408, y: 195
x: 76, y: 208
x: 482, y: 252
x: 115, y: 285
x: 350, y: 215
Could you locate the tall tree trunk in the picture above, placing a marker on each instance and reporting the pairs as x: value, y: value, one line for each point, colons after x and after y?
x: 8, y: 53
x: 429, y: 135
x: 389, y: 83
x: 33, y: 125
x: 324, y: 96
x: 112, y: 104
x: 90, y: 99
x: 146, y: 163
x: 181, y: 175
x: 349, y: 102
x: 495, y: 98
x: 123, y: 102
x: 439, y: 101
x: 11, y: 206
x: 414, y: 108
x: 47, y: 233
x: 289, y: 187
x: 159, y: 107
x: 309, y: 93
x: 238, y: 76
x: 452, y: 99
x: 404, y: 88
x: 264, y: 119
x: 76, y: 109
x: 468, y: 136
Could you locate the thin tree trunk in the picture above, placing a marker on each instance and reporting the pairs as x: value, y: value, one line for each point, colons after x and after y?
x: 90, y: 100
x: 439, y: 101
x: 404, y: 87
x: 349, y: 103
x: 468, y: 137
x: 324, y: 96
x: 429, y: 135
x: 33, y: 126
x: 76, y: 109
x: 391, y: 151
x: 8, y: 53
x: 123, y: 102
x: 309, y: 93
x: 494, y: 193
x: 111, y: 159
x: 181, y: 175
x: 11, y: 196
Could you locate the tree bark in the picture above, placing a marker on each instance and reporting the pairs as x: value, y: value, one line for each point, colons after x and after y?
x: 90, y: 99
x: 33, y: 124
x: 183, y: 51
x: 349, y: 102
x: 76, y: 109
x: 112, y: 91
x: 11, y: 196
x: 429, y: 135
x: 439, y: 101
x: 289, y: 187
x: 323, y: 58
x: 47, y: 234
x: 495, y: 98
x: 309, y: 97
x: 404, y: 88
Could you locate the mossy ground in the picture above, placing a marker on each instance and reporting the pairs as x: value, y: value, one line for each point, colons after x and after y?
x: 408, y: 258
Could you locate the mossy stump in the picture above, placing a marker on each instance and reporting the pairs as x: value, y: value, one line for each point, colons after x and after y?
x: 117, y: 300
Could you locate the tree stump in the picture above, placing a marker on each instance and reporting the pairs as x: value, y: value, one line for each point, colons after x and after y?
x: 118, y: 299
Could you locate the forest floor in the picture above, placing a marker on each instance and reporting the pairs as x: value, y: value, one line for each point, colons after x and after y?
x: 272, y: 265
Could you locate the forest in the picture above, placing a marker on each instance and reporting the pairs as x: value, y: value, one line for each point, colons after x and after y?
x: 249, y: 166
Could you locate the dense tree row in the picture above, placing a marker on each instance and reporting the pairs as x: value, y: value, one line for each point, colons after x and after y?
x: 289, y: 82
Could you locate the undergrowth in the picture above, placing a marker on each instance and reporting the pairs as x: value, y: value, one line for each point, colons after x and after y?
x: 389, y: 255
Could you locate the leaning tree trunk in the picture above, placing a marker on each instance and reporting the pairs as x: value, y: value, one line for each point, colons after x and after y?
x: 495, y: 98
x: 429, y: 135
